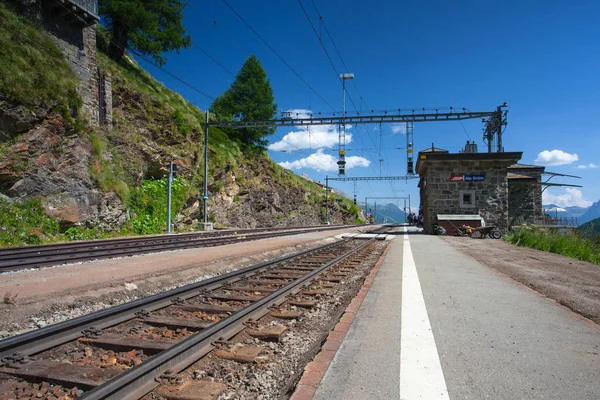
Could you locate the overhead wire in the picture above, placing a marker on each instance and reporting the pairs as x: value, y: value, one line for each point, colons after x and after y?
x: 213, y: 59
x: 464, y: 129
x: 149, y: 62
x: 277, y: 54
x: 335, y: 47
x: 214, y: 24
x: 157, y: 66
x: 319, y: 38
x: 332, y: 63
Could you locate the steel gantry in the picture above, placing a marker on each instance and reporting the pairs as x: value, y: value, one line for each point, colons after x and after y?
x: 360, y: 178
x: 494, y: 123
x: 405, y: 198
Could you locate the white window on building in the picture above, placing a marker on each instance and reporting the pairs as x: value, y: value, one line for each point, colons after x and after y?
x: 467, y: 199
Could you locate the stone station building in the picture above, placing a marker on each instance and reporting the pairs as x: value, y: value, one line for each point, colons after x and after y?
x: 525, y: 194
x: 475, y: 186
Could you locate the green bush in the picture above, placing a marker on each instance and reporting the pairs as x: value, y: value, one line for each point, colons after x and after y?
x: 23, y: 223
x: 148, y: 205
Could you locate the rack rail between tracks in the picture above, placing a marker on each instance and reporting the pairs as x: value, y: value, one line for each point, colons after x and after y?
x: 16, y: 352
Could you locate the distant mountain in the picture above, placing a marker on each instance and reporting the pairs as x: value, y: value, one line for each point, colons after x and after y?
x: 591, y: 213
x: 576, y: 211
x: 386, y: 213
x: 590, y: 229
x: 556, y: 211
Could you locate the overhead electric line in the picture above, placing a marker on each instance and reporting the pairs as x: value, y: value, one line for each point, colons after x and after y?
x: 335, y: 47
x: 331, y: 61
x: 173, y: 76
x: 329, y: 58
x: 319, y: 38
x: 213, y: 59
x: 152, y: 63
x: 213, y: 23
x: 277, y: 54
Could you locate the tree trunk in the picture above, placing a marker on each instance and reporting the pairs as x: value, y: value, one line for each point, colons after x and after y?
x: 118, y: 43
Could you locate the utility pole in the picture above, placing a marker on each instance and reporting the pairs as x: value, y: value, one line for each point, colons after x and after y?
x: 169, y: 185
x: 326, y: 200
x: 173, y: 168
x: 410, y: 169
x: 375, y: 212
x: 206, y: 172
x: 342, y: 127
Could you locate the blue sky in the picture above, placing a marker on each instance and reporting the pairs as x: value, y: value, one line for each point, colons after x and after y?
x: 541, y: 57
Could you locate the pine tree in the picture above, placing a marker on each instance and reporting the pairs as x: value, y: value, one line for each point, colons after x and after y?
x: 250, y: 98
x: 149, y: 27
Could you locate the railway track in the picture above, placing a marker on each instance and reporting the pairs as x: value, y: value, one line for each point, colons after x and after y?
x: 17, y: 258
x: 130, y: 350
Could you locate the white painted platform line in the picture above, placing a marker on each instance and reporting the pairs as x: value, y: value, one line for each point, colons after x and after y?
x: 421, y: 375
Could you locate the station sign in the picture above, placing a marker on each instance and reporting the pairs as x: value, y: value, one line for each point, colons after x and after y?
x: 474, y: 178
x: 467, y: 178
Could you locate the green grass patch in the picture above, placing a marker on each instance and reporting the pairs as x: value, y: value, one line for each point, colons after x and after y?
x: 108, y: 167
x: 33, y: 70
x: 566, y: 243
x: 23, y: 223
x: 148, y: 205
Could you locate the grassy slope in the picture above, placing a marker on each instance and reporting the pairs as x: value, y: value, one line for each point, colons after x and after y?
x: 147, y: 116
x: 176, y: 127
x: 590, y: 229
x: 570, y: 244
x: 33, y: 71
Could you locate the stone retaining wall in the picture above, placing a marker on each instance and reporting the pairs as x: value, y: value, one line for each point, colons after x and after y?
x: 77, y: 40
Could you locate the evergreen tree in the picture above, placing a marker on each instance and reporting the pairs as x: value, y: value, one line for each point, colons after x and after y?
x: 250, y: 98
x: 150, y: 27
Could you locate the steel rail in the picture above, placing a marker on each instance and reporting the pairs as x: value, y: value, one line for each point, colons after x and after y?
x: 81, y: 253
x: 7, y: 251
x: 34, y: 342
x: 141, y: 379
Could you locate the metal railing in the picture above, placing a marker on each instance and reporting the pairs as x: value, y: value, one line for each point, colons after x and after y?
x: 563, y: 222
x: 89, y: 5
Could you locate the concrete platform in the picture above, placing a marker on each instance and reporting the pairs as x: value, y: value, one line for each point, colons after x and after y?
x: 436, y: 324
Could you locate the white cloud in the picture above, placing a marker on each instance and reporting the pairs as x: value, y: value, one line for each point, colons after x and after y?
x: 399, y: 128
x: 590, y: 165
x: 308, y: 137
x: 297, y: 113
x: 555, y: 209
x: 555, y: 157
x: 571, y: 197
x: 320, y: 161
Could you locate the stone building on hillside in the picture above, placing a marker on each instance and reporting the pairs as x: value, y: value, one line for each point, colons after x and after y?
x: 468, y: 186
x: 72, y: 24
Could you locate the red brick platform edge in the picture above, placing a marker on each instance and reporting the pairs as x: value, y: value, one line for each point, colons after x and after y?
x: 315, y: 370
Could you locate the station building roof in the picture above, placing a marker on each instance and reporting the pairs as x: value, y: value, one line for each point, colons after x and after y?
x: 436, y: 157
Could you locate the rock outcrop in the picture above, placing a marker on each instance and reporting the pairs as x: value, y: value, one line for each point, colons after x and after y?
x: 52, y: 162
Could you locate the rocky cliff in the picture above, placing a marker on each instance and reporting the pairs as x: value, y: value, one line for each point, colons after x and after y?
x: 87, y: 176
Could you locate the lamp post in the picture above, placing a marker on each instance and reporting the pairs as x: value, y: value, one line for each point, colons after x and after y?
x: 342, y: 127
